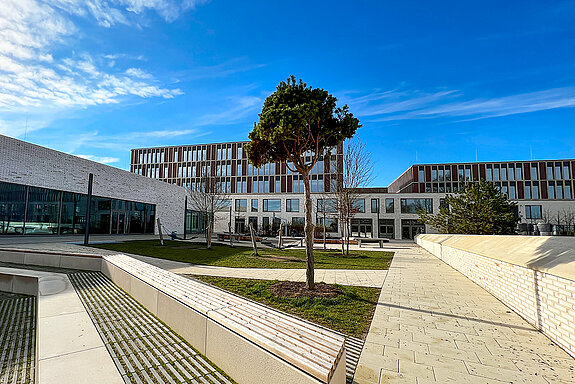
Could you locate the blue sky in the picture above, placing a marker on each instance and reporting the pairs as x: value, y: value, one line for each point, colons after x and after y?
x: 441, y: 81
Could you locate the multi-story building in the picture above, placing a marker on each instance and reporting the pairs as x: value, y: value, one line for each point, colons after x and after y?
x: 272, y: 194
x: 187, y: 166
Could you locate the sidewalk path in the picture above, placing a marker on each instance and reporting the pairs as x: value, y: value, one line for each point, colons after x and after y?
x: 432, y: 324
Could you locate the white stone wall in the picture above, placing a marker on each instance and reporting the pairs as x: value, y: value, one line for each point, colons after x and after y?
x: 545, y: 300
x: 29, y: 164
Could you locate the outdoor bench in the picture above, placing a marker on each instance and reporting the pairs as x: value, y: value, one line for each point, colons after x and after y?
x: 250, y: 342
x: 379, y: 240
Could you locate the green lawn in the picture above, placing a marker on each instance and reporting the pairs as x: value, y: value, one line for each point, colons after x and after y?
x: 226, y: 256
x: 350, y: 313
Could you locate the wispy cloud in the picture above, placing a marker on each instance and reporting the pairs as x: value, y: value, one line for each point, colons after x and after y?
x: 239, y: 108
x: 99, y: 159
x: 413, y: 104
x: 170, y: 133
x: 36, y: 84
x: 225, y: 69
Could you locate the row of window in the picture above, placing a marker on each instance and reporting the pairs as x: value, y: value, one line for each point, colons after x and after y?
x: 555, y: 189
x: 414, y: 205
x: 33, y: 210
x: 497, y: 172
x: 221, y: 168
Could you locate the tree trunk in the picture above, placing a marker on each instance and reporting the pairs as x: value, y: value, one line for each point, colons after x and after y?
x: 308, y: 229
x: 342, y: 238
x: 347, y: 241
x: 324, y: 245
x: 210, y: 232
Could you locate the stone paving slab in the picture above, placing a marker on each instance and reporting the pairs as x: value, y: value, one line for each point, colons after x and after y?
x: 432, y: 324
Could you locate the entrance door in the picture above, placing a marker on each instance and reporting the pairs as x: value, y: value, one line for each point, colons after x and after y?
x: 361, y: 228
x: 121, y: 223
x: 411, y: 228
x: 114, y: 229
x: 240, y: 225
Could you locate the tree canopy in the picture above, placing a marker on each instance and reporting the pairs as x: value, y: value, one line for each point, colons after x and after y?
x: 480, y: 208
x: 297, y: 118
x: 298, y: 124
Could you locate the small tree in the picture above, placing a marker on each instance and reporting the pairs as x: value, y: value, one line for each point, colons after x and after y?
x: 480, y: 208
x: 299, y: 124
x: 357, y: 173
x: 209, y: 197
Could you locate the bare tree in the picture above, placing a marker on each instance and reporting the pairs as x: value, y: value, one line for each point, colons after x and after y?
x: 569, y: 219
x: 357, y: 173
x: 209, y: 197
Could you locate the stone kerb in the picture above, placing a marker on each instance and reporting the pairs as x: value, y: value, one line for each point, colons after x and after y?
x: 545, y: 300
x: 250, y: 342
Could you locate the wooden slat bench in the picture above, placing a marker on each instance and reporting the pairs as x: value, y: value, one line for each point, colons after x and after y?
x: 249, y: 341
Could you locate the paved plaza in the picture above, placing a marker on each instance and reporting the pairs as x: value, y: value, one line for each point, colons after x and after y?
x: 432, y: 324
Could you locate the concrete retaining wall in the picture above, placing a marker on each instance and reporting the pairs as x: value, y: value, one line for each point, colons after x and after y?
x: 531, y: 275
x: 243, y: 360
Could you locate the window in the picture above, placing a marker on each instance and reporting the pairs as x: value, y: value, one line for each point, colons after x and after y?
x: 559, y: 189
x: 460, y: 175
x: 434, y: 173
x: 503, y: 172
x: 359, y: 205
x: 272, y: 205
x: 447, y: 174
x: 278, y: 185
x: 374, y: 205
x: 534, y: 172
x: 527, y: 190
x: 241, y: 205
x: 468, y: 172
x: 535, y: 190
x: 549, y: 171
x: 518, y: 174
x: 416, y: 205
x: 292, y: 205
x: 557, y: 171
x: 551, y: 189
x: 568, y: 190
x: 254, y: 205
x: 489, y: 174
x: 566, y: 173
x: 389, y: 208
x: 329, y: 204
x: 225, y: 204
x: 330, y: 224
x: 533, y: 211
x: 421, y: 174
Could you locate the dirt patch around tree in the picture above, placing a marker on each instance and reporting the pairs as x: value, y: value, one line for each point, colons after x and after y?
x: 298, y: 289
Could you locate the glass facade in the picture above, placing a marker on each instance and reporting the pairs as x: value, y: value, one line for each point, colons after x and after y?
x: 33, y: 210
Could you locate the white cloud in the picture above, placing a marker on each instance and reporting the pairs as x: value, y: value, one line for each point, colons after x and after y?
x: 408, y: 105
x: 33, y: 81
x: 171, y: 133
x: 99, y: 159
